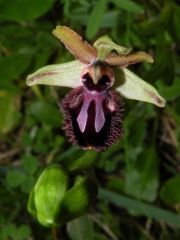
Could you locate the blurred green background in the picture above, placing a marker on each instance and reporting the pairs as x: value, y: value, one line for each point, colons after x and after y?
x: 140, y: 175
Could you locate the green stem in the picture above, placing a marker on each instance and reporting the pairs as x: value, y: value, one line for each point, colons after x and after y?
x: 37, y: 92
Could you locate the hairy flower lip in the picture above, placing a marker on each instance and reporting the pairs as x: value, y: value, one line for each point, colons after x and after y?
x: 89, y: 139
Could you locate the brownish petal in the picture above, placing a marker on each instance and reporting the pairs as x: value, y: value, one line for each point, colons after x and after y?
x: 123, y: 61
x: 82, y: 50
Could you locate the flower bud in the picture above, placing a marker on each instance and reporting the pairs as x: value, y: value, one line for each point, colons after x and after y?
x: 46, y: 197
x: 79, y: 198
x: 53, y: 204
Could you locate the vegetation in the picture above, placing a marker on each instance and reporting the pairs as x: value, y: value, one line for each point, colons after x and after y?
x: 139, y: 179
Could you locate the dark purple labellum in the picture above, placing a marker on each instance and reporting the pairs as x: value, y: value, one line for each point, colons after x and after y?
x: 93, y: 112
x: 92, y: 120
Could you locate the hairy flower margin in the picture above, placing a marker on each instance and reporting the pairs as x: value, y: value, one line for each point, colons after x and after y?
x: 93, y: 110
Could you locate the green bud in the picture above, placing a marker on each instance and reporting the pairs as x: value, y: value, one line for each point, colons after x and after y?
x: 79, y: 198
x: 53, y: 204
x: 46, y: 198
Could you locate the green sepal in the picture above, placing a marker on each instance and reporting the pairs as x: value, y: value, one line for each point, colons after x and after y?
x: 64, y: 75
x: 130, y: 86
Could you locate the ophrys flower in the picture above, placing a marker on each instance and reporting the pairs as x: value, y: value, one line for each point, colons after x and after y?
x: 99, y: 78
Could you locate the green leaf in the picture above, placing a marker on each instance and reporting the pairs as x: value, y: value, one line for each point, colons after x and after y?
x: 10, y: 230
x: 9, y: 111
x: 14, y: 178
x: 30, y: 163
x: 13, y: 66
x: 131, y: 86
x: 21, y: 10
x: 169, y: 92
x: 110, y: 19
x: 80, y: 229
x: 23, y: 232
x: 142, y: 176
x: 169, y: 191
x: 64, y: 75
x: 164, y: 68
x: 28, y: 183
x: 140, y: 207
x: 95, y: 19
x: 17, y: 40
x: 45, y: 112
x: 176, y: 20
x: 129, y: 6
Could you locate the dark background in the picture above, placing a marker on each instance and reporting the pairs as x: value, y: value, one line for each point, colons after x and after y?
x: 142, y: 168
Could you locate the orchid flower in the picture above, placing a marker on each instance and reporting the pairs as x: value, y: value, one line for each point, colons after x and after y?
x: 93, y: 109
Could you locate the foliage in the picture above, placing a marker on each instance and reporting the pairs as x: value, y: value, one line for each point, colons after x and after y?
x: 139, y: 175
